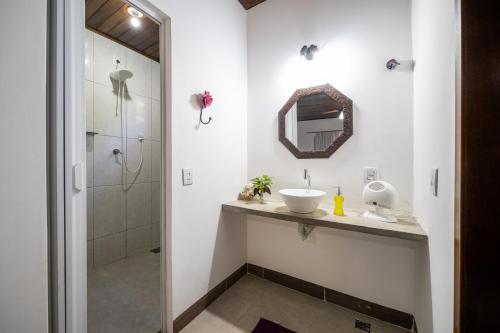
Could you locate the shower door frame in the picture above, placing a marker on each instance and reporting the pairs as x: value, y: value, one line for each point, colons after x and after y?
x: 67, y: 163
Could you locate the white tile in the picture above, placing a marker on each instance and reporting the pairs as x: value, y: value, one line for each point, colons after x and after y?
x: 155, y: 161
x: 90, y: 214
x: 155, y: 81
x: 138, y: 240
x: 133, y: 161
x: 155, y: 235
x: 139, y: 205
x: 105, y: 51
x: 89, y: 55
x: 90, y: 160
x: 109, y: 210
x: 155, y: 120
x: 140, y: 66
x: 109, y: 249
x: 89, y: 105
x: 138, y: 117
x: 155, y: 202
x: 107, y: 111
x: 107, y: 166
x: 90, y: 255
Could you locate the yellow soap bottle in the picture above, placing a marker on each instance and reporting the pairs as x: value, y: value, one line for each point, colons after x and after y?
x: 338, y: 201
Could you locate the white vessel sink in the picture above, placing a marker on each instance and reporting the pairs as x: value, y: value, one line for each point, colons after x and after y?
x: 301, y: 200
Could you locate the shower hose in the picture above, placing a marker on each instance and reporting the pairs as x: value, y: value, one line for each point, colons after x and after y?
x: 119, y: 101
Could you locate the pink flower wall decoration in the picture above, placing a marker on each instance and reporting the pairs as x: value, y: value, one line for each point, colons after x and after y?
x: 205, y: 100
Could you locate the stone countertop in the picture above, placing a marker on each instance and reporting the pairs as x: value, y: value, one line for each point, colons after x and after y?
x: 406, y: 226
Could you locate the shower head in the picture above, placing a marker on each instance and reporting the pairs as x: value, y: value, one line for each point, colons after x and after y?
x: 121, y: 75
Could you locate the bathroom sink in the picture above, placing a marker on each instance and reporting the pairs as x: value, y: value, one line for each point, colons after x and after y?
x: 302, y: 201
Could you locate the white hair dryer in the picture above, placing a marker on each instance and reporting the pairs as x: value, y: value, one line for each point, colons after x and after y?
x: 381, y: 195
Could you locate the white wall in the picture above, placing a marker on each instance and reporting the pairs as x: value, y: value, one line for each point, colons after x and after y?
x: 434, y: 42
x: 208, y: 53
x: 356, y: 38
x: 23, y: 199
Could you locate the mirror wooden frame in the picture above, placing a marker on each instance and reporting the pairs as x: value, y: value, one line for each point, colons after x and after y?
x: 336, y: 95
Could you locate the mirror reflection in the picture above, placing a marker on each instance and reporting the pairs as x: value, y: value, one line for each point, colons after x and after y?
x: 314, y: 122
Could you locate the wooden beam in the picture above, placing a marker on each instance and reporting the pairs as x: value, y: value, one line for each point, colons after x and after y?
x: 247, y: 4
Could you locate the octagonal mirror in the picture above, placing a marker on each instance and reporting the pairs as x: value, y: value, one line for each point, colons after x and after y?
x: 315, y: 122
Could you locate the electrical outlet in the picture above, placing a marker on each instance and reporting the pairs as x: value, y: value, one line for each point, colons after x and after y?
x: 434, y: 181
x: 187, y: 177
x: 366, y: 327
x: 370, y: 174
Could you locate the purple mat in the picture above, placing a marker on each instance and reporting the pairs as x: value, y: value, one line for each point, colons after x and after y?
x: 266, y: 326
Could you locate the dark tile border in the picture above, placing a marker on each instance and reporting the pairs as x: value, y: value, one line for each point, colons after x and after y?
x: 374, y: 310
x: 194, y: 310
x: 255, y: 270
x: 294, y: 283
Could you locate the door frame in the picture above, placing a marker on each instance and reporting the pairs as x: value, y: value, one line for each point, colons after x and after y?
x: 66, y: 162
x: 477, y: 233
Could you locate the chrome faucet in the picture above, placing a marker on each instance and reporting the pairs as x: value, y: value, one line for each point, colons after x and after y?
x: 307, y: 177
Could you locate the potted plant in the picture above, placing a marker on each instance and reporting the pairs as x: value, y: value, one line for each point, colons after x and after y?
x: 261, y: 186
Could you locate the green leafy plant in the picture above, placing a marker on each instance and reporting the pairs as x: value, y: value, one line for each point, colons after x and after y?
x: 262, y: 185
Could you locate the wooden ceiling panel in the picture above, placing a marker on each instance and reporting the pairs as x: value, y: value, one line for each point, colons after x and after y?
x: 120, y: 16
x: 111, y: 19
x: 146, y: 30
x: 91, y: 6
x: 247, y: 4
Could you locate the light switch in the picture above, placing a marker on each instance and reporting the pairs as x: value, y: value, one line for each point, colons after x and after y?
x: 77, y: 177
x: 370, y: 174
x: 434, y: 181
x: 187, y: 177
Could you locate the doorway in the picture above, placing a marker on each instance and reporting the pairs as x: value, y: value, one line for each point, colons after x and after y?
x: 123, y: 142
x: 110, y: 140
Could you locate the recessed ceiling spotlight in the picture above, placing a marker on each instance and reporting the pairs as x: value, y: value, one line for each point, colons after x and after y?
x: 136, y: 15
x: 135, y: 22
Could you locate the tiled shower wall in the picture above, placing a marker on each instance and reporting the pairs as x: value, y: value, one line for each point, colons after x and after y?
x: 121, y: 223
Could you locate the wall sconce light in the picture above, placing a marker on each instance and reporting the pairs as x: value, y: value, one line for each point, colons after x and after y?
x: 309, y: 51
x: 392, y: 64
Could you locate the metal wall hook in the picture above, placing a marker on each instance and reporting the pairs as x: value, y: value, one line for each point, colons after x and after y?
x: 392, y: 64
x: 201, y: 118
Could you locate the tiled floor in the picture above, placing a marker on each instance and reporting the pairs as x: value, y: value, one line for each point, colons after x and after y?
x: 124, y: 296
x: 240, y: 308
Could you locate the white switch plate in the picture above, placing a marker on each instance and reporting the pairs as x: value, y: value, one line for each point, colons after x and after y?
x: 187, y: 177
x: 370, y: 174
x: 77, y: 177
x: 434, y: 181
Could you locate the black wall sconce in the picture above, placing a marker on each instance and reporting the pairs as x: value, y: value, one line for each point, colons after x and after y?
x: 309, y: 51
x: 392, y: 64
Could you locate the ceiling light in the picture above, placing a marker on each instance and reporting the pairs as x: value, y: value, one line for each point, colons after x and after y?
x: 135, y: 22
x: 136, y: 15
x: 134, y: 12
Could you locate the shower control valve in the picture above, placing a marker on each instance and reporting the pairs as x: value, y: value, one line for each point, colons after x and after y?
x: 116, y: 151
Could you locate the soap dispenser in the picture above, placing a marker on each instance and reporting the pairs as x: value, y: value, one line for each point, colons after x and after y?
x: 338, y: 201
